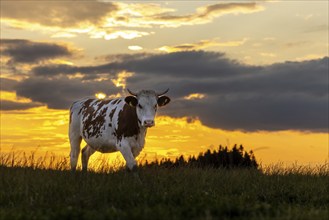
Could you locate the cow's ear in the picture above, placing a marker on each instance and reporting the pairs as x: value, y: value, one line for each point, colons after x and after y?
x: 131, y: 100
x: 163, y: 100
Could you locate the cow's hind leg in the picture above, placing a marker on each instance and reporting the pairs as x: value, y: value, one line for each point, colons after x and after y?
x: 86, y: 152
x: 75, y: 141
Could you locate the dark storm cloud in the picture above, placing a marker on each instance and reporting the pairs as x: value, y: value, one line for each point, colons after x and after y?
x: 56, y: 13
x: 257, y: 112
x: 7, y: 84
x: 6, y: 105
x: 188, y: 64
x: 92, y: 71
x: 24, y: 51
x: 60, y: 93
x: 290, y: 95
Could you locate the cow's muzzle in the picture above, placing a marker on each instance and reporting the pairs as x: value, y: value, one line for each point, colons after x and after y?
x: 148, y: 123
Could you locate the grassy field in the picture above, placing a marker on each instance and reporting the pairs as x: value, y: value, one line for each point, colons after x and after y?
x: 181, y: 193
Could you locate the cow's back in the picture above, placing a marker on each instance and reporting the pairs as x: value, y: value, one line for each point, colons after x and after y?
x: 95, y: 121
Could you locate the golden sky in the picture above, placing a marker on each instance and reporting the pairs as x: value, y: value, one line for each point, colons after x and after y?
x: 239, y: 72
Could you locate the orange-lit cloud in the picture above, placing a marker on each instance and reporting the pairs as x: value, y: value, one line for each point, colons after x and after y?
x: 195, y: 96
x: 150, y: 15
x: 120, y: 81
x: 57, y: 13
x: 109, y: 20
x: 63, y: 35
x: 34, y: 128
x: 206, y: 14
x: 135, y: 47
x: 268, y: 54
x: 142, y: 17
x: 60, y: 61
x: 201, y: 45
x: 111, y: 35
x: 10, y: 101
x: 311, y: 57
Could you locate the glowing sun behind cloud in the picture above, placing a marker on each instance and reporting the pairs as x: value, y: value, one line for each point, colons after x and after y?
x: 100, y: 95
x: 195, y: 96
x: 120, y: 81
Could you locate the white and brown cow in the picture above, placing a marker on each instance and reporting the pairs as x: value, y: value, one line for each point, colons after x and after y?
x: 113, y: 125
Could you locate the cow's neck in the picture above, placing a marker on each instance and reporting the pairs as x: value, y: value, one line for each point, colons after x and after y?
x: 142, y: 129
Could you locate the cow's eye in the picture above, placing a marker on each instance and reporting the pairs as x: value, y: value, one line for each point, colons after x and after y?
x: 139, y: 106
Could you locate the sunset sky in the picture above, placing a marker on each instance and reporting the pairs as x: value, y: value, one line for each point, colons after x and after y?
x: 239, y: 72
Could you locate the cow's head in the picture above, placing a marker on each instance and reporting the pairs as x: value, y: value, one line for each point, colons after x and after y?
x: 146, y: 103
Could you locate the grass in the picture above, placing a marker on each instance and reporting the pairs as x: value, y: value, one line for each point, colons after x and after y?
x: 41, y: 191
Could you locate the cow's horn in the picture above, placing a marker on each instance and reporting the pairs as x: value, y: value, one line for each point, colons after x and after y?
x: 162, y: 93
x: 132, y: 93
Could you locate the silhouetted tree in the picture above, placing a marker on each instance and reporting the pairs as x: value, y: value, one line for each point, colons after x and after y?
x: 221, y: 158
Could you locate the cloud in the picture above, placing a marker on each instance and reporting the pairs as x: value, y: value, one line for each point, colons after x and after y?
x: 66, y: 19
x: 310, y: 57
x: 7, y: 105
x: 148, y: 15
x: 63, y: 35
x: 7, y: 84
x: 25, y: 51
x: 191, y: 64
x: 206, y: 14
x: 236, y: 96
x: 194, y: 96
x: 124, y: 34
x: 264, y: 54
x: 109, y: 20
x: 59, y: 93
x: 57, y: 13
x: 135, y: 47
x: 201, y: 45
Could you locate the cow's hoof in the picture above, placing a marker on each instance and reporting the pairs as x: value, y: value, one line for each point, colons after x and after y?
x: 134, y: 169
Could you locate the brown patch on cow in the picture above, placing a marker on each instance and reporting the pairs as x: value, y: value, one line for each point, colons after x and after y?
x: 93, y: 118
x: 103, y: 102
x: 127, y: 123
x: 112, y: 113
x: 115, y: 101
x: 85, y: 105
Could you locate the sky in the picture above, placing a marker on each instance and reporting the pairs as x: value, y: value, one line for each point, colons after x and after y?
x: 239, y: 72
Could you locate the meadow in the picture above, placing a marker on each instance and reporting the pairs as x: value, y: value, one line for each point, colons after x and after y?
x: 33, y: 188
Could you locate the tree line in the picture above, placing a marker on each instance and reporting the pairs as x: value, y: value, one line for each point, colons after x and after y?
x: 220, y: 158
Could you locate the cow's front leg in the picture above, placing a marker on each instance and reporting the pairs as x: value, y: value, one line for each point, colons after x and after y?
x: 87, y: 151
x: 128, y: 156
x: 130, y: 161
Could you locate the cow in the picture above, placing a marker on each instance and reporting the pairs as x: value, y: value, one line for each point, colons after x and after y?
x: 113, y: 125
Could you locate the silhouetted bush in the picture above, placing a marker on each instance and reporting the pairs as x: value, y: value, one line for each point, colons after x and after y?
x: 221, y: 158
